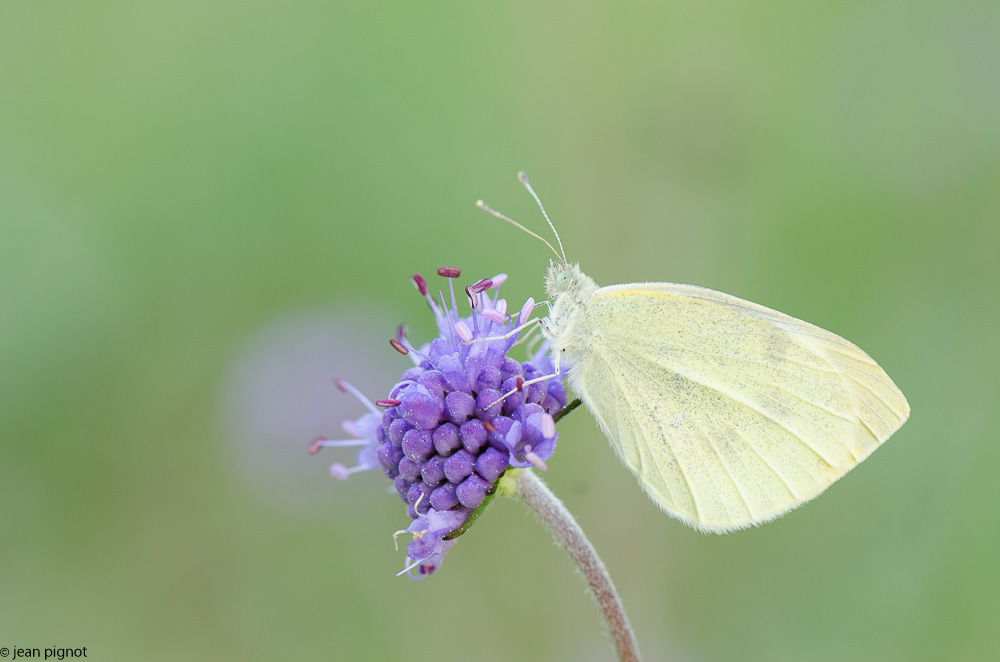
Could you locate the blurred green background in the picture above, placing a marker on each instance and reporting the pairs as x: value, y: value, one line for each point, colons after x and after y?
x: 209, y: 210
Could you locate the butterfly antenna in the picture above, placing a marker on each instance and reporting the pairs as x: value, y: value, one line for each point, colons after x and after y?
x: 523, y: 178
x: 493, y: 212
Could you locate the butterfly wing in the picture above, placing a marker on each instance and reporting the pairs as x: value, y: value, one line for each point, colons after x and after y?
x: 729, y: 413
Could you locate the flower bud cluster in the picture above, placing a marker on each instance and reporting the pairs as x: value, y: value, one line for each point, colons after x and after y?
x: 459, y: 418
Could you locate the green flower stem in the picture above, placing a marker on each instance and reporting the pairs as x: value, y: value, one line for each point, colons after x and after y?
x: 567, y: 409
x: 540, y: 498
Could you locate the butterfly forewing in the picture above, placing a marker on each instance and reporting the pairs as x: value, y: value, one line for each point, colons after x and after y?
x: 729, y: 413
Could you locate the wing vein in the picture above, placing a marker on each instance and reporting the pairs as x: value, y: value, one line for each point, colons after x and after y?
x: 736, y: 398
x: 680, y: 466
x: 706, y: 436
x: 741, y: 359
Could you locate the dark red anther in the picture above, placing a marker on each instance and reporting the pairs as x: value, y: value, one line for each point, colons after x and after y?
x: 472, y: 299
x: 489, y: 427
x: 398, y: 346
x: 482, y: 285
x: 520, y: 383
x: 420, y: 284
x: 316, y: 444
x: 449, y: 272
x: 387, y: 402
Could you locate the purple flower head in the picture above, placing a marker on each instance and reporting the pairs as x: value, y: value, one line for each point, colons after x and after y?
x: 458, y: 418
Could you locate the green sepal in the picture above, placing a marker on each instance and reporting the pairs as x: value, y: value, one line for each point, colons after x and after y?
x: 479, y: 510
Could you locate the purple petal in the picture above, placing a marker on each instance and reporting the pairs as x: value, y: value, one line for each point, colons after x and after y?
x: 515, y: 399
x: 432, y: 471
x: 434, y: 382
x: 446, y: 439
x: 487, y: 404
x: 472, y: 491
x: 389, y: 456
x: 443, y: 497
x: 420, y: 408
x: 409, y: 469
x: 491, y: 463
x: 459, y: 406
x: 489, y: 377
x: 418, y: 445
x: 473, y: 435
x: 459, y: 466
x: 397, y: 429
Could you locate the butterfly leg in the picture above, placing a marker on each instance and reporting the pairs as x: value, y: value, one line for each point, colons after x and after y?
x: 517, y: 329
x: 521, y: 385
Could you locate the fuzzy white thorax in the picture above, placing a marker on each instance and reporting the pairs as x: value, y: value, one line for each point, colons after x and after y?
x: 570, y: 291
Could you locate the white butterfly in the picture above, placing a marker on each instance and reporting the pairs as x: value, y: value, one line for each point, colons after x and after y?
x: 730, y: 414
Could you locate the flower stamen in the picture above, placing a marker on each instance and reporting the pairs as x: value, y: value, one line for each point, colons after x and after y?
x: 407, y: 569
x: 534, y: 458
x: 451, y: 291
x: 548, y: 426
x: 344, y: 386
x: 341, y: 471
x: 322, y: 442
x: 401, y: 339
x: 525, y: 313
x: 463, y: 331
x: 420, y: 284
x: 494, y: 316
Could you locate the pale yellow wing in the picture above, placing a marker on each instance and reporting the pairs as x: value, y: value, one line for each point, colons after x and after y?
x: 729, y: 413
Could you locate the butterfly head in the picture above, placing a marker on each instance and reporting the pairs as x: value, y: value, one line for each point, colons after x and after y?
x: 559, y: 278
x: 563, y: 278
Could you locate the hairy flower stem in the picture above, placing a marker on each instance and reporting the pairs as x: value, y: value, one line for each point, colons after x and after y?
x: 552, y: 511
